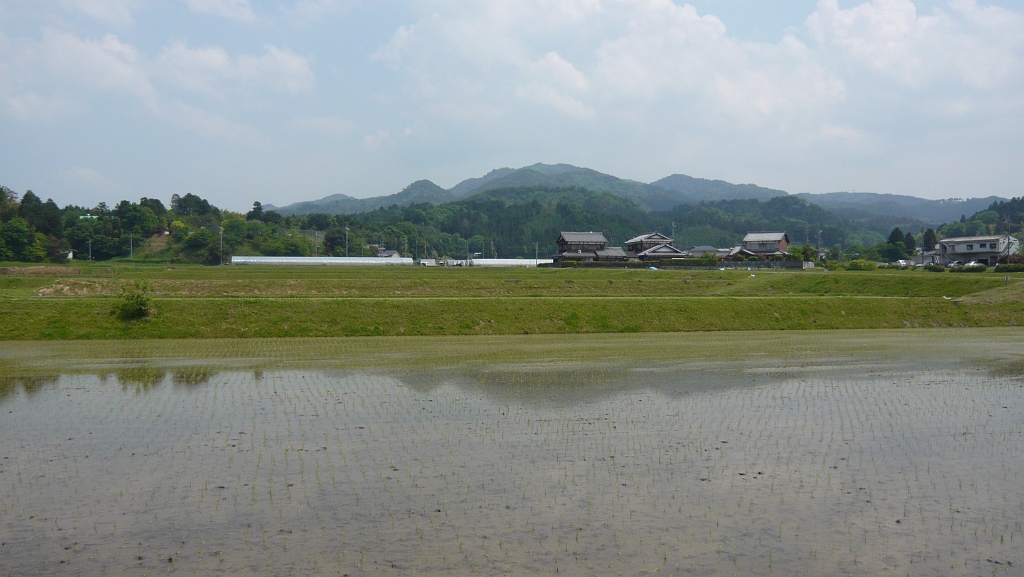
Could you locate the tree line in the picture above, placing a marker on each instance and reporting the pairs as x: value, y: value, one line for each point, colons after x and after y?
x: 503, y: 223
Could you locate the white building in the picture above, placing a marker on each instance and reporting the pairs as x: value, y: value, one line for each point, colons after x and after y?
x: 984, y: 249
x: 321, y: 261
x: 506, y: 262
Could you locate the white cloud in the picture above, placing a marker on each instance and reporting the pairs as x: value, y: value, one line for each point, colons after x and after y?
x: 61, y: 73
x: 116, y: 12
x: 31, y: 106
x: 239, y: 10
x: 212, y: 70
x: 622, y: 54
x: 969, y: 45
x: 106, y: 64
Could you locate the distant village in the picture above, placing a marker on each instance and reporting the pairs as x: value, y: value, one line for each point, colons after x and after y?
x: 760, y: 248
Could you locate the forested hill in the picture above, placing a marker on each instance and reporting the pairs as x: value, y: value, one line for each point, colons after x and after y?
x: 867, y: 205
x: 504, y: 222
x: 659, y: 195
x: 508, y: 222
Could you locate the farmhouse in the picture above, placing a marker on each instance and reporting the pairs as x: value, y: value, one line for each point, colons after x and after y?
x: 653, y: 246
x: 983, y: 249
x: 587, y: 247
x: 763, y: 245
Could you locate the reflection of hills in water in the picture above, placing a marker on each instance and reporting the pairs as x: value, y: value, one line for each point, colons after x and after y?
x: 565, y: 384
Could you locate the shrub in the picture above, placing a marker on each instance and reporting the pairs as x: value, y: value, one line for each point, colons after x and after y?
x: 1010, y: 268
x: 981, y: 268
x: 934, y: 268
x: 861, y: 264
x: 135, y: 302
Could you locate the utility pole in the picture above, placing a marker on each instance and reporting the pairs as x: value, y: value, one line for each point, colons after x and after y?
x: 346, y: 242
x: 819, y: 242
x: 131, y: 246
x: 222, y: 245
x: 90, y: 249
x: 536, y: 251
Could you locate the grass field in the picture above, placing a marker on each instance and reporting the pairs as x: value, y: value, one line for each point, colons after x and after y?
x: 231, y: 302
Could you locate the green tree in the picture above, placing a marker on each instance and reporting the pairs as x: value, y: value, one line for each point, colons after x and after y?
x: 19, y: 240
x: 909, y: 242
x: 192, y: 205
x: 5, y: 254
x: 334, y: 241
x: 153, y: 204
x: 256, y: 213
x: 808, y: 252
x: 896, y: 236
x: 929, y: 240
x: 892, y: 252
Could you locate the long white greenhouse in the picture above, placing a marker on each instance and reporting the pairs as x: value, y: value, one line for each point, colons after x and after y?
x: 504, y: 262
x: 322, y: 260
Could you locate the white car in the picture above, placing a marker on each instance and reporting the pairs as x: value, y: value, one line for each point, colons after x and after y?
x: 976, y: 263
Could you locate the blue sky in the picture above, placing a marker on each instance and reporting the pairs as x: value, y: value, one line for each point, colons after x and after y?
x: 288, y: 100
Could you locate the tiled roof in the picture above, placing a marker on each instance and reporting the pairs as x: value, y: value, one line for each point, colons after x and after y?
x: 662, y: 249
x: 584, y: 237
x: 648, y: 236
x: 612, y: 252
x: 765, y: 237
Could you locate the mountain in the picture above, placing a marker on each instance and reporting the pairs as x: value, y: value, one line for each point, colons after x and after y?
x: 417, y: 192
x: 470, y: 185
x: 698, y: 189
x: 567, y: 176
x: 661, y: 195
x: 864, y: 205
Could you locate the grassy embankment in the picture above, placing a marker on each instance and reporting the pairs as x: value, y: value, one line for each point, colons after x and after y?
x: 211, y: 302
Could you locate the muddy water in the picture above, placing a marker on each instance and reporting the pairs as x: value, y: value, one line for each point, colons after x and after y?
x: 874, y: 453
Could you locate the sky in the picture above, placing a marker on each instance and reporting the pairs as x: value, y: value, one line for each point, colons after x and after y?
x: 288, y: 100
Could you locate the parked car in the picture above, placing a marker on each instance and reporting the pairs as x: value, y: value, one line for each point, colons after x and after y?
x: 976, y: 263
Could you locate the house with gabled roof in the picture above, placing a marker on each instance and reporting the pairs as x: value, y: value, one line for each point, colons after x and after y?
x: 763, y: 245
x: 588, y: 247
x: 653, y: 246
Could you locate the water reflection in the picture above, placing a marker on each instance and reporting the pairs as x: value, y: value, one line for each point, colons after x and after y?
x: 30, y: 384
x: 833, y: 463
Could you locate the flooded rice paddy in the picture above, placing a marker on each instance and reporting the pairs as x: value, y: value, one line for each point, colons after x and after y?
x: 861, y: 453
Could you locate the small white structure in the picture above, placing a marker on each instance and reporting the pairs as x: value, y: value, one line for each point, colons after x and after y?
x: 322, y: 261
x: 504, y: 262
x: 983, y: 249
x: 428, y: 262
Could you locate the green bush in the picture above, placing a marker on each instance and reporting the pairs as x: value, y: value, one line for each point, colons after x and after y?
x: 1010, y: 268
x: 135, y: 302
x: 934, y: 268
x: 981, y: 268
x: 861, y: 264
